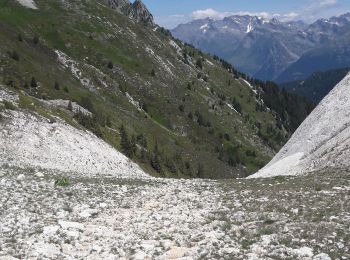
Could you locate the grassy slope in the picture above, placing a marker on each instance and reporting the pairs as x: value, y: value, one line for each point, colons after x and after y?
x: 93, y: 35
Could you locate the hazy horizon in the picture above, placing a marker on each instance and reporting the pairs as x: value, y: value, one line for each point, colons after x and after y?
x: 169, y: 14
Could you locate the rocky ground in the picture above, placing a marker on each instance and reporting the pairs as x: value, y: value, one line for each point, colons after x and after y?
x: 53, y: 215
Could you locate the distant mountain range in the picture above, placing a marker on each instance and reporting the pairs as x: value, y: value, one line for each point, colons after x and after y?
x: 269, y: 49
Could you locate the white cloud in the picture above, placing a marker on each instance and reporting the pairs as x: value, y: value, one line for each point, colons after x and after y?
x: 209, y: 13
x: 317, y: 8
x: 319, y: 4
x: 313, y: 10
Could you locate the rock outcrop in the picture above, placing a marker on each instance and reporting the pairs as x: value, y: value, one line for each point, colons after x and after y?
x: 139, y: 12
x: 322, y: 141
x: 136, y: 11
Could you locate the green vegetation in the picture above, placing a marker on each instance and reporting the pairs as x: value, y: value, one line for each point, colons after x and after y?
x: 62, y: 182
x: 9, y: 105
x: 184, y: 113
x: 246, y: 243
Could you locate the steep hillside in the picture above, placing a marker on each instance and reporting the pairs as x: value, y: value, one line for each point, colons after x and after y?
x: 269, y: 49
x: 318, y: 85
x: 31, y: 141
x: 320, y: 59
x: 322, y: 140
x: 169, y: 107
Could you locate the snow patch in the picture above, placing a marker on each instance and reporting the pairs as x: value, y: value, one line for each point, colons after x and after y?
x: 250, y: 27
x: 204, y: 28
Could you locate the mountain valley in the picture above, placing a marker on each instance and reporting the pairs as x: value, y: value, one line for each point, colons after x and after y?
x: 118, y: 141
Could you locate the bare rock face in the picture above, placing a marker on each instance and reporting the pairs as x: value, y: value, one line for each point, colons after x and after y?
x: 136, y: 11
x: 322, y: 141
x: 119, y: 4
x: 140, y: 13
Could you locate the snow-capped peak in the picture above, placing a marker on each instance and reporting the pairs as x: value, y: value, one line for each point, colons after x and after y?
x: 204, y: 28
x: 250, y: 27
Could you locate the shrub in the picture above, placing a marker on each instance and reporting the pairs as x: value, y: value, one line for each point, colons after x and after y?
x: 63, y: 182
x: 199, y: 63
x: 86, y: 103
x: 33, y: 83
x: 9, y: 105
x: 280, y: 178
x: 250, y: 153
x: 246, y: 243
x: 89, y: 122
x: 153, y: 73
x: 36, y: 39
x: 182, y: 108
x: 19, y: 37
x: 57, y: 86
x: 110, y: 65
x: 14, y: 55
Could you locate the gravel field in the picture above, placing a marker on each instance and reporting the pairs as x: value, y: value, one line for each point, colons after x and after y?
x: 53, y: 215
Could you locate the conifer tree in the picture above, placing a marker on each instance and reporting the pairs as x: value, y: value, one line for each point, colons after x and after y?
x: 133, y: 147
x: 200, y: 171
x: 124, y: 142
x: 155, y: 159
x: 33, y: 83
x: 57, y: 86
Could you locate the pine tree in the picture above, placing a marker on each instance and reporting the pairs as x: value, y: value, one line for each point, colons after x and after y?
x: 19, y: 37
x: 36, y: 39
x: 153, y: 73
x: 124, y: 142
x: 155, y: 159
x: 199, y: 63
x: 155, y: 163
x: 200, y: 171
x: 133, y: 147
x: 33, y: 83
x: 57, y: 86
x: 110, y: 65
x: 143, y: 155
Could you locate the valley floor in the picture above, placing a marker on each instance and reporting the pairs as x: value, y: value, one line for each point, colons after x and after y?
x: 105, y: 217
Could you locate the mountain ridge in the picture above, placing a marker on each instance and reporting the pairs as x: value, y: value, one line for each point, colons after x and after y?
x: 317, y: 85
x: 268, y: 48
x: 321, y: 141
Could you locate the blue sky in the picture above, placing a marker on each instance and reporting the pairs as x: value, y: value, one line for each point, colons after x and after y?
x: 169, y: 13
